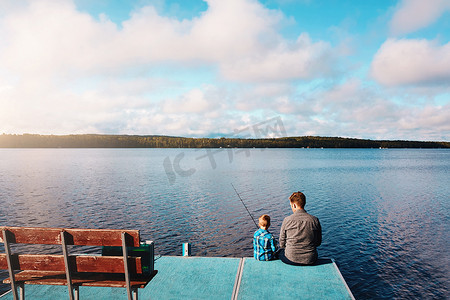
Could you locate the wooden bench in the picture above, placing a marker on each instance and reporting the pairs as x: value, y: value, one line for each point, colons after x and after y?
x: 75, y: 270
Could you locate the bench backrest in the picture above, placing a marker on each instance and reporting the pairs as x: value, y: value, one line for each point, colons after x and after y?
x: 80, y: 237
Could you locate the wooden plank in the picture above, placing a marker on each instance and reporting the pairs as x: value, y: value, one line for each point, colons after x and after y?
x: 31, y: 235
x: 84, y: 279
x: 80, y: 263
x: 35, y: 262
x: 107, y: 264
x: 102, y: 237
x: 81, y: 237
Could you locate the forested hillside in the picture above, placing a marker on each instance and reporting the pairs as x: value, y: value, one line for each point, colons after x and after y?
x: 136, y: 141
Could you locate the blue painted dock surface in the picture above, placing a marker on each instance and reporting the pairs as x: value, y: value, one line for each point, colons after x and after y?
x: 220, y: 278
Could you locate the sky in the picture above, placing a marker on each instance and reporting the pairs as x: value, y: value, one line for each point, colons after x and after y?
x: 375, y: 69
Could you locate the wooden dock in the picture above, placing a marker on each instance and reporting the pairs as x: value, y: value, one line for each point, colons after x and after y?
x: 220, y: 278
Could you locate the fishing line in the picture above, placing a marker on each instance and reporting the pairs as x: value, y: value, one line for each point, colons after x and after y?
x: 245, y: 206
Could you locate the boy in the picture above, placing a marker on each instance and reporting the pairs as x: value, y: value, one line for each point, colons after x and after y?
x: 264, y: 244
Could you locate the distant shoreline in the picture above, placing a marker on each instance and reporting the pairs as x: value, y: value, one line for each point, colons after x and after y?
x: 156, y: 141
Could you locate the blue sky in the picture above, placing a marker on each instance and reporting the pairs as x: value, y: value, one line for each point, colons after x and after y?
x: 367, y: 69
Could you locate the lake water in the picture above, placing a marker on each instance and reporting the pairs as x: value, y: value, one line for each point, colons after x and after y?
x: 384, y: 213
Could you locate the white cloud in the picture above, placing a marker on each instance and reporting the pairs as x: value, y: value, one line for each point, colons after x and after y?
x: 7, y: 6
x: 49, y: 36
x: 194, y: 101
x: 352, y: 109
x: 300, y: 60
x: 264, y: 95
x: 412, y: 15
x: 427, y: 117
x: 57, y: 112
x: 402, y: 62
x: 68, y: 72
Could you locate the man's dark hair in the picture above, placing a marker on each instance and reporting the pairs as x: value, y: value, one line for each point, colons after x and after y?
x: 298, y: 198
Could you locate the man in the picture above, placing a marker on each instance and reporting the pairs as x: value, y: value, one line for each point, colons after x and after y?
x: 300, y: 234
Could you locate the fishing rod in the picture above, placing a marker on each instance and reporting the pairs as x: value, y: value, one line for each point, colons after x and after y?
x: 245, y: 206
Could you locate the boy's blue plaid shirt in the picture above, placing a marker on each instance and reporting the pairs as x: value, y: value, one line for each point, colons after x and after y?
x: 264, y: 245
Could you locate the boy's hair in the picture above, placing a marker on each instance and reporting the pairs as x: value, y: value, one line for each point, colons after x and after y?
x: 264, y: 221
x: 298, y: 198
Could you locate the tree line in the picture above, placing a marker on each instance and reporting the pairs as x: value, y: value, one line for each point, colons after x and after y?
x: 155, y: 141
